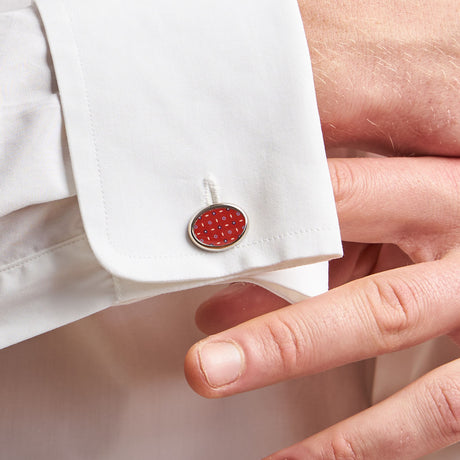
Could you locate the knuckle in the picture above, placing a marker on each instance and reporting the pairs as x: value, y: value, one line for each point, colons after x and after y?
x: 342, y: 448
x: 444, y: 395
x: 420, y: 247
x: 394, y: 310
x: 286, y: 340
x: 438, y: 234
x: 342, y: 179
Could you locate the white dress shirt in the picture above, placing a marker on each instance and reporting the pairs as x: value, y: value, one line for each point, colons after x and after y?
x: 162, y: 117
x: 167, y: 106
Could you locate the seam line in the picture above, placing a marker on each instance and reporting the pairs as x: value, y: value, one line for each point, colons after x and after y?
x: 26, y: 260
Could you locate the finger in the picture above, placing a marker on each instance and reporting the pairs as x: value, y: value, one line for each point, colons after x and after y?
x: 362, y: 259
x: 367, y: 317
x: 420, y: 419
x: 383, y: 200
x: 241, y: 302
x: 235, y: 304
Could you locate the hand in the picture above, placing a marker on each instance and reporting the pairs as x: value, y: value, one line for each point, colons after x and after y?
x: 412, y: 207
x: 387, y: 73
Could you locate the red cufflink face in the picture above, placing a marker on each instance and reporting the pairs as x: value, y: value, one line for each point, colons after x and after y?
x: 218, y: 227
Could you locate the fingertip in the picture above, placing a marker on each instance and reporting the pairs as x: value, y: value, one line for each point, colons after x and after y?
x: 194, y: 375
x: 212, y: 366
x: 205, y: 321
x: 215, y: 314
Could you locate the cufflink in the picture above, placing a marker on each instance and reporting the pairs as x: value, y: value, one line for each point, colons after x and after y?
x: 218, y: 227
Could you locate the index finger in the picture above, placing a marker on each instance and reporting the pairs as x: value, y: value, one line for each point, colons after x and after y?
x: 370, y: 316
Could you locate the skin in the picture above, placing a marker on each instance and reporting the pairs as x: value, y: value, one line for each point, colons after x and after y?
x: 387, y: 73
x: 394, y: 66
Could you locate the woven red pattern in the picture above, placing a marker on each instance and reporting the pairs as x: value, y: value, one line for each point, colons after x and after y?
x: 219, y: 226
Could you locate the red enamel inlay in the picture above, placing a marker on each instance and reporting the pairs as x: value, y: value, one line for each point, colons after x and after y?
x: 218, y: 226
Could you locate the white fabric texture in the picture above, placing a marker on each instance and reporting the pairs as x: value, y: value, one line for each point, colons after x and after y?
x: 111, y: 386
x: 175, y: 94
x: 45, y: 250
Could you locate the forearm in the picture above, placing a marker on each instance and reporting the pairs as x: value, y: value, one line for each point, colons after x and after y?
x: 387, y: 73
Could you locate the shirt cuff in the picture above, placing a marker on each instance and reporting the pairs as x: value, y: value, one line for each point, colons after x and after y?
x: 170, y: 98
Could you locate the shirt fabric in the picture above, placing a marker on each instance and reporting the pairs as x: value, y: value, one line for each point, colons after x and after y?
x: 145, y: 150
x: 111, y: 386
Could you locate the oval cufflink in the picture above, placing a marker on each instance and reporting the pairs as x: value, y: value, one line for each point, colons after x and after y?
x: 218, y: 227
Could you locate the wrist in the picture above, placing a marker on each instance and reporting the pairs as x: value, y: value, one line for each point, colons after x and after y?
x: 386, y: 74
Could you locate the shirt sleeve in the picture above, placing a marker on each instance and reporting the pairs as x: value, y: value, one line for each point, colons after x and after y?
x: 167, y: 107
